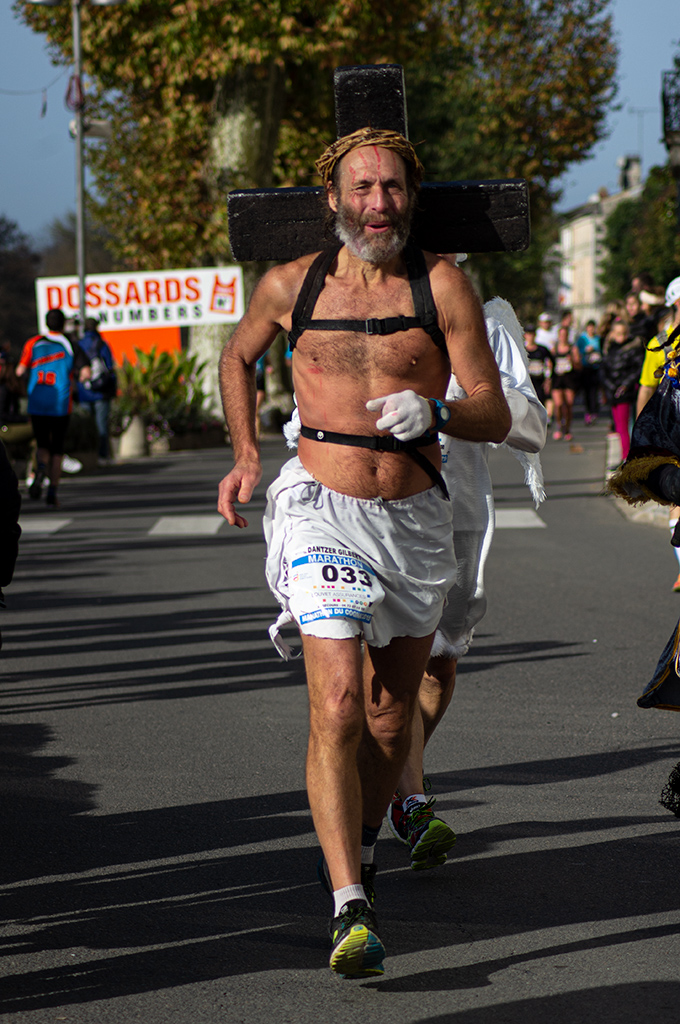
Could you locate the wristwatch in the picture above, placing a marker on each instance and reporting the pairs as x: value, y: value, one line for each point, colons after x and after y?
x: 442, y: 413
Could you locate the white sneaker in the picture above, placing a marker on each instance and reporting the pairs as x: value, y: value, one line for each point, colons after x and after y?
x: 70, y: 465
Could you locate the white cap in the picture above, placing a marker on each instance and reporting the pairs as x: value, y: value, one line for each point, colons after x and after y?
x: 544, y: 316
x: 673, y: 292
x: 650, y: 298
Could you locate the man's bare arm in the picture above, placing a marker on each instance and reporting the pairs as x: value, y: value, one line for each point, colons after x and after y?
x: 251, y: 339
x: 484, y: 415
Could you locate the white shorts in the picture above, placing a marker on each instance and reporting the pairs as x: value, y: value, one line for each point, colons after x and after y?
x: 342, y: 566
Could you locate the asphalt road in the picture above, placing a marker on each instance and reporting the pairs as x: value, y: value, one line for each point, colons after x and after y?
x: 158, y: 857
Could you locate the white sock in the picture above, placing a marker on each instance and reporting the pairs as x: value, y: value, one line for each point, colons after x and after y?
x: 411, y: 801
x: 350, y: 892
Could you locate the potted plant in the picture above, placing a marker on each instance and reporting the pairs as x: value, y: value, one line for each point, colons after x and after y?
x: 161, y: 400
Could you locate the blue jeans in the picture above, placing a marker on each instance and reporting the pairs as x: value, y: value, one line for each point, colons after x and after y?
x: 100, y: 410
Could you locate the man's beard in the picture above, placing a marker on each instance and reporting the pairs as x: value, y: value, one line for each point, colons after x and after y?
x: 374, y: 249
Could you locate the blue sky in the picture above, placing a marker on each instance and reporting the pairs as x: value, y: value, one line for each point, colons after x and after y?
x: 37, y: 174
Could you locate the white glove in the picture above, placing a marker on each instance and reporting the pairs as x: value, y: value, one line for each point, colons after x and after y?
x: 405, y: 414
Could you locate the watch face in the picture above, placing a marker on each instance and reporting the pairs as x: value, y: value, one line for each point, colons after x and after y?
x: 444, y: 413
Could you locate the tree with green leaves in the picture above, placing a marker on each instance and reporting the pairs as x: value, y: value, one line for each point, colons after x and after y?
x: 196, y: 92
x: 205, y: 97
x: 519, y: 89
x: 18, y: 267
x: 641, y: 235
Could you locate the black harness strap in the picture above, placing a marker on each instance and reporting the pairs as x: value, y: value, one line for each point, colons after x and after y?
x: 310, y: 291
x: 425, y: 312
x: 377, y: 443
x: 423, y: 299
x: 388, y: 325
x: 384, y: 443
x: 425, y: 317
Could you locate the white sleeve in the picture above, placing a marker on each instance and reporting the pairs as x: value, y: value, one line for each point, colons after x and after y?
x: 529, y: 427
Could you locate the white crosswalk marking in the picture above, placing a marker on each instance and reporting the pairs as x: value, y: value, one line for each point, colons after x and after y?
x: 186, y: 526
x: 518, y: 519
x: 42, y: 525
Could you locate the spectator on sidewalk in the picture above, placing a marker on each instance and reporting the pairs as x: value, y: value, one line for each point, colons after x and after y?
x: 639, y: 324
x: 621, y: 368
x: 96, y: 392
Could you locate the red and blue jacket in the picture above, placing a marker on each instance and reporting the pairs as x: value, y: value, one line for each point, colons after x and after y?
x: 49, y: 359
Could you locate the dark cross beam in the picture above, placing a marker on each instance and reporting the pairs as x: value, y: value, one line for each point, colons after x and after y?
x: 452, y: 216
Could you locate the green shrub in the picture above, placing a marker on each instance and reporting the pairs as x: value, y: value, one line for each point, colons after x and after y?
x: 165, y: 389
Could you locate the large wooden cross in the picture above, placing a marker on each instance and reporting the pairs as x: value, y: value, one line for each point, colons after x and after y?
x: 452, y: 216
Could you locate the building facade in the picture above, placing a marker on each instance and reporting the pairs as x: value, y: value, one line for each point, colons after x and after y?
x: 581, y: 246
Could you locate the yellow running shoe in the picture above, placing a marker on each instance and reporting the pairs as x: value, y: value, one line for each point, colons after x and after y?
x: 357, y: 949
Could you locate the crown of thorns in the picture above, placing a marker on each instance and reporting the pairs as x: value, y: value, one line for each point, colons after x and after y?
x: 326, y: 163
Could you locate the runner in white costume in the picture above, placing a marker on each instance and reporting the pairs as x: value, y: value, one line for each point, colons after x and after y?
x: 465, y: 469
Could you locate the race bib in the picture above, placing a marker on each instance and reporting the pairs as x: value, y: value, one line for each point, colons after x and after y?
x: 329, y: 582
x: 536, y: 368
x: 563, y: 365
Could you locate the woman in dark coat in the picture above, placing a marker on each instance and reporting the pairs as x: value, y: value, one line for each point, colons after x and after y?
x: 621, y: 368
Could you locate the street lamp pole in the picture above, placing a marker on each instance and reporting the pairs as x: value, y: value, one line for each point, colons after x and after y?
x: 76, y: 97
x: 80, y: 164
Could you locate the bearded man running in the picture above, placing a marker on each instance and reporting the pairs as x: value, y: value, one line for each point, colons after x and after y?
x: 358, y: 526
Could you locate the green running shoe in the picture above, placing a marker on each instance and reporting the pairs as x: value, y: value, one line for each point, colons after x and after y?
x: 429, y: 837
x: 397, y: 820
x: 357, y: 949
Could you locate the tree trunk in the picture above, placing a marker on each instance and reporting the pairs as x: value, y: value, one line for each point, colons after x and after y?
x: 248, y: 110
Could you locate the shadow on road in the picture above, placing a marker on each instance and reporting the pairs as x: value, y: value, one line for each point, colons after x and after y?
x: 617, y: 1004
x: 142, y: 901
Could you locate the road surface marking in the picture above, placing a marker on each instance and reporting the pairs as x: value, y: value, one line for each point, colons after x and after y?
x: 187, y: 526
x: 42, y: 525
x: 518, y: 519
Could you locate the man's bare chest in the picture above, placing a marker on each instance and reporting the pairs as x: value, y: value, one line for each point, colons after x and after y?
x: 354, y: 334
x: 359, y: 355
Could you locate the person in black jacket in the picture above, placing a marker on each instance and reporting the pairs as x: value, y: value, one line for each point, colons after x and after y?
x: 10, y: 531
x: 621, y: 368
x: 639, y: 324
